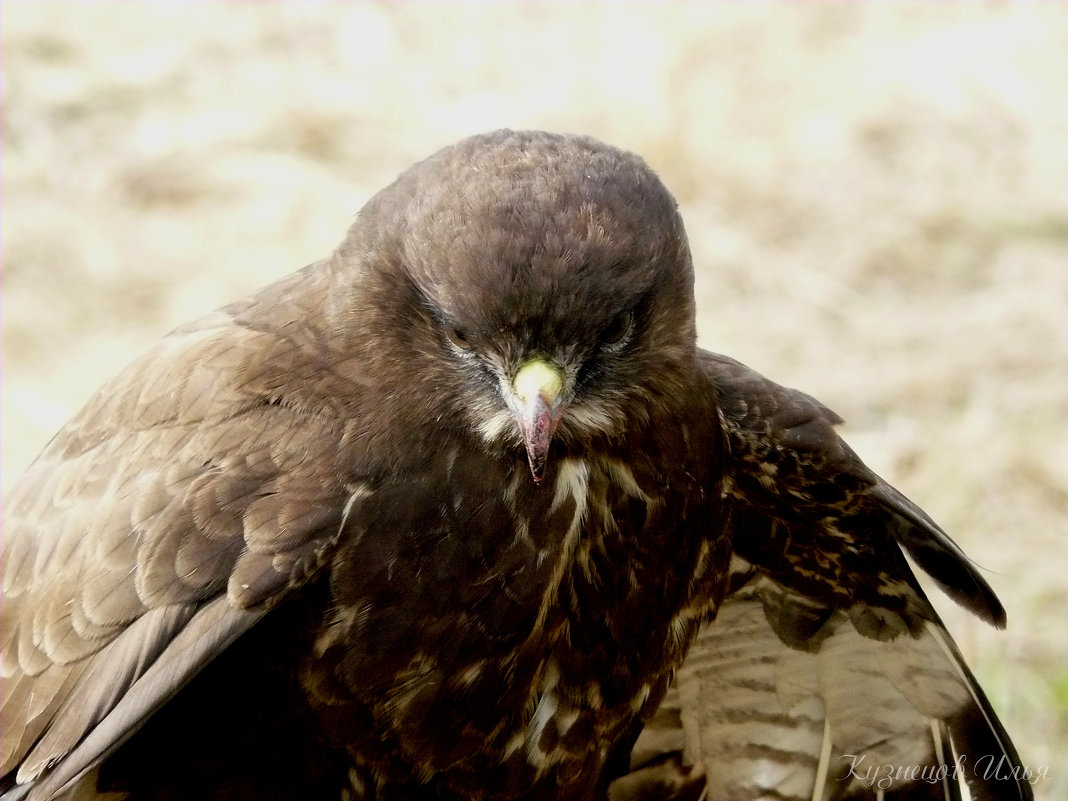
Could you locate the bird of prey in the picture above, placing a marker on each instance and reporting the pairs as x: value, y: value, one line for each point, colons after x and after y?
x: 462, y: 512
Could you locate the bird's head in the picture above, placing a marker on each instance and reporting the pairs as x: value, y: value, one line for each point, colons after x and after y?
x: 539, y: 286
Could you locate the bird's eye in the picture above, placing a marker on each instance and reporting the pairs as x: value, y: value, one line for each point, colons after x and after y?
x: 618, y: 331
x: 457, y: 338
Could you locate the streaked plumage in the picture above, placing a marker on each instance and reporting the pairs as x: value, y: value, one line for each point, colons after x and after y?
x: 826, y: 666
x: 440, y: 517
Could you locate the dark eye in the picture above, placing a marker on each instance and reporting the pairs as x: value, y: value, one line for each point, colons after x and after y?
x: 618, y: 331
x: 457, y: 338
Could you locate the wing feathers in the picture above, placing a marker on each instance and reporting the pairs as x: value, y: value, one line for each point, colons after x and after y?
x: 122, y: 539
x: 826, y: 666
x: 156, y: 664
x: 751, y: 706
x: 939, y: 556
x: 847, y: 719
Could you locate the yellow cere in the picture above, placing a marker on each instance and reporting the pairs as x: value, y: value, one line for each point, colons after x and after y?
x: 535, y: 378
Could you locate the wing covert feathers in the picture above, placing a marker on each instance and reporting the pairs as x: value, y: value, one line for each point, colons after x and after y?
x: 186, y: 498
x: 826, y: 673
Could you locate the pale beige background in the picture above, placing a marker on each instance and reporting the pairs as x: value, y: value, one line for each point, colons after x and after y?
x: 876, y: 196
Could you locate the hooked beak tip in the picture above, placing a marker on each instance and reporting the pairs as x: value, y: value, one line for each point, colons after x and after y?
x: 537, y: 387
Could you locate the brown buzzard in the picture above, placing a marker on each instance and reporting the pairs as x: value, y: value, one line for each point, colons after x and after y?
x: 443, y: 516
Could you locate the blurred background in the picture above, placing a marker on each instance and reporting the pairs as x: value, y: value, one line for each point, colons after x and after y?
x: 875, y: 195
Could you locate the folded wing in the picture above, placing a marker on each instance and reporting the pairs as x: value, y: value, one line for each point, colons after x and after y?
x: 157, y: 527
x: 826, y: 672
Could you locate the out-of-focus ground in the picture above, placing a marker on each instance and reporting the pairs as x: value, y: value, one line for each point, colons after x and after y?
x: 875, y: 194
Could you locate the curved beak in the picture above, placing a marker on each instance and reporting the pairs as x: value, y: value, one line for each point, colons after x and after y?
x: 538, y: 389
